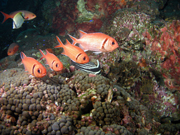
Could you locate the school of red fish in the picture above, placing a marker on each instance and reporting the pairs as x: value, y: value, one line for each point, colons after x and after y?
x: 96, y: 42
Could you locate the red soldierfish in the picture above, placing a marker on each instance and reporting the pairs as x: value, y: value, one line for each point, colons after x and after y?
x: 97, y: 42
x: 73, y: 52
x: 33, y: 66
x: 26, y: 14
x: 13, y: 48
x: 53, y: 61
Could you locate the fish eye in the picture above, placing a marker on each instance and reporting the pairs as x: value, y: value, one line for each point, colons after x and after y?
x: 84, y: 58
x: 57, y: 65
x: 39, y: 70
x: 113, y: 43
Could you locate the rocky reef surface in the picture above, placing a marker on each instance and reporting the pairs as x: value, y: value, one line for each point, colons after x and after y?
x: 137, y: 91
x: 79, y: 104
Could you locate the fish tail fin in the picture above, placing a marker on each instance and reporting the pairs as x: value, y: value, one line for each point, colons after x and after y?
x: 42, y: 54
x: 22, y: 55
x: 6, y: 16
x: 74, y: 39
x: 60, y: 43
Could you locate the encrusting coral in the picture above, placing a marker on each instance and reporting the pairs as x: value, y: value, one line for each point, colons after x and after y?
x: 45, y: 106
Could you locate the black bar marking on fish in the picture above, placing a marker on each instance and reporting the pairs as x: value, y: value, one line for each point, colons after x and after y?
x: 52, y: 64
x: 104, y: 43
x: 15, y: 24
x: 78, y: 56
x: 33, y: 69
x: 22, y: 16
x: 88, y: 67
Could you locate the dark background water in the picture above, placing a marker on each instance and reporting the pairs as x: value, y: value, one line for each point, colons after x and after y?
x: 8, y: 35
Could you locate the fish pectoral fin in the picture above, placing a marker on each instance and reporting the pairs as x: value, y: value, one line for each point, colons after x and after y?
x: 25, y: 69
x: 26, y: 72
x: 85, y: 50
x: 57, y: 46
x: 14, y: 25
x: 41, y: 58
x: 31, y: 76
x: 18, y: 20
x: 63, y: 53
x: 96, y: 53
x: 82, y: 48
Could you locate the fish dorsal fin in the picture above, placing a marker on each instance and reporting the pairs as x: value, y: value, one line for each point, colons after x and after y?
x: 67, y: 42
x: 82, y: 33
x: 58, y: 39
x: 47, y: 52
x: 74, y: 39
x: 22, y: 55
x: 42, y: 54
x: 41, y: 51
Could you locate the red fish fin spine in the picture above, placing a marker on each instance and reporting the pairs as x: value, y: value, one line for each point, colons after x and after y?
x: 74, y: 39
x: 6, y: 16
x: 22, y: 55
x: 47, y: 52
x: 42, y: 54
x: 82, y: 33
x: 67, y: 42
x: 60, y: 43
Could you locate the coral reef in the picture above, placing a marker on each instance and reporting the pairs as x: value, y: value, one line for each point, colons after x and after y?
x: 125, y: 74
x: 106, y: 113
x: 149, y: 7
x: 137, y: 91
x: 111, y: 129
x: 164, y: 45
x: 87, y: 16
x: 50, y: 106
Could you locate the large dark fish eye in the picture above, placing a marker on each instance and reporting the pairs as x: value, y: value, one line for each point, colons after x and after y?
x: 84, y: 58
x: 113, y: 43
x: 57, y: 65
x: 39, y: 70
